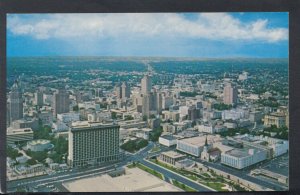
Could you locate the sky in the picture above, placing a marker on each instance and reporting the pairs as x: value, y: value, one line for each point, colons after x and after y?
x: 220, y: 35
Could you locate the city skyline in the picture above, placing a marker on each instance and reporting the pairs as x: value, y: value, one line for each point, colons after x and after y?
x: 219, y: 35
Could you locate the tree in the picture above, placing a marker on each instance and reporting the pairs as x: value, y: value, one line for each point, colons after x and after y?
x: 114, y: 115
x: 145, y: 118
x: 128, y: 117
x: 75, y: 108
x: 12, y: 153
x: 31, y: 162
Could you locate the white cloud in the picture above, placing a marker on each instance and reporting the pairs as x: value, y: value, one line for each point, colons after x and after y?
x: 213, y: 26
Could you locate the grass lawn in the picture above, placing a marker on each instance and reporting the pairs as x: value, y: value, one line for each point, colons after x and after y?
x: 155, y: 149
x: 131, y: 166
x: 151, y: 171
x: 206, y: 175
x: 216, y: 186
x: 183, y: 186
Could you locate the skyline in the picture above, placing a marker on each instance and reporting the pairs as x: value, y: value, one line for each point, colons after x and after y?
x: 195, y: 35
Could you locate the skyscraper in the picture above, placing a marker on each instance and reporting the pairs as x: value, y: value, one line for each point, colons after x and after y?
x: 146, y: 84
x: 230, y: 94
x: 146, y: 103
x: 16, y: 103
x: 118, y: 91
x: 61, y: 102
x: 38, y: 96
x: 125, y: 90
x: 93, y: 144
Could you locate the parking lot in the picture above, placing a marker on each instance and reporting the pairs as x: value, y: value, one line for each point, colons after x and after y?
x: 279, y: 165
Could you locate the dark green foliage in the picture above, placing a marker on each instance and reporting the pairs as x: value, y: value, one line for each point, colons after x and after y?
x: 188, y: 94
x: 76, y: 108
x: 12, y: 153
x: 154, y: 135
x: 134, y: 145
x: 128, y: 117
x: 222, y: 106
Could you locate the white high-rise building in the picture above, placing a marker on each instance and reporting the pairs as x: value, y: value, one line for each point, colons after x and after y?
x: 93, y: 144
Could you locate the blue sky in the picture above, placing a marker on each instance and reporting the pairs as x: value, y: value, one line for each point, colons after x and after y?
x: 149, y: 34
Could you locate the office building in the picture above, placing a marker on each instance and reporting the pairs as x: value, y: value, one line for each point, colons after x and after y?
x: 277, y: 118
x: 118, y: 91
x: 61, y: 102
x: 146, y: 84
x: 230, y: 94
x: 16, y: 102
x: 194, y: 145
x: 93, y: 143
x: 125, y: 90
x: 242, y: 158
x: 39, y: 98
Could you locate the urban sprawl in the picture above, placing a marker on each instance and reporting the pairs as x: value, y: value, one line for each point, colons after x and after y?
x: 147, y: 124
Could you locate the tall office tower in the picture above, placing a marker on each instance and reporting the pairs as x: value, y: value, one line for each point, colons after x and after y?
x: 125, y: 90
x: 118, y: 91
x: 230, y: 94
x: 98, y: 92
x: 7, y: 114
x: 16, y: 103
x: 61, y: 102
x: 38, y: 96
x: 146, y: 99
x: 159, y: 102
x: 146, y: 84
x: 93, y: 144
x: 193, y: 113
x: 78, y: 96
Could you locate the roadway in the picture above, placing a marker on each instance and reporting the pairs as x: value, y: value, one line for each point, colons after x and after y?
x: 59, y: 178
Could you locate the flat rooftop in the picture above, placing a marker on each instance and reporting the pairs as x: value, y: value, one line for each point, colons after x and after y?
x: 85, y: 125
x: 11, y: 131
x: 168, y: 137
x: 173, y: 154
x: 135, y: 180
x: 239, y: 153
x: 200, y: 140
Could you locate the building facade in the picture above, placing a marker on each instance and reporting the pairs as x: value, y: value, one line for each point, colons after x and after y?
x: 61, y: 102
x: 19, y: 135
x: 93, y: 143
x: 230, y: 94
x: 277, y: 119
x: 16, y: 103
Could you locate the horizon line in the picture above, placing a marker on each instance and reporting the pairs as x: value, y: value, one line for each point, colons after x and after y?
x: 115, y: 56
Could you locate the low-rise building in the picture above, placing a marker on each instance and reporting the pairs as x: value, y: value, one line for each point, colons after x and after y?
x: 167, y: 140
x: 194, y: 145
x: 170, y: 157
x: 242, y: 158
x: 277, y: 118
x: 19, y: 135
x: 68, y: 117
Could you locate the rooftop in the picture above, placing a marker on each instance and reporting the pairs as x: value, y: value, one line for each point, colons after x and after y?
x: 173, y: 154
x: 200, y: 140
x: 85, y: 125
x: 19, y: 131
x: 168, y: 137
